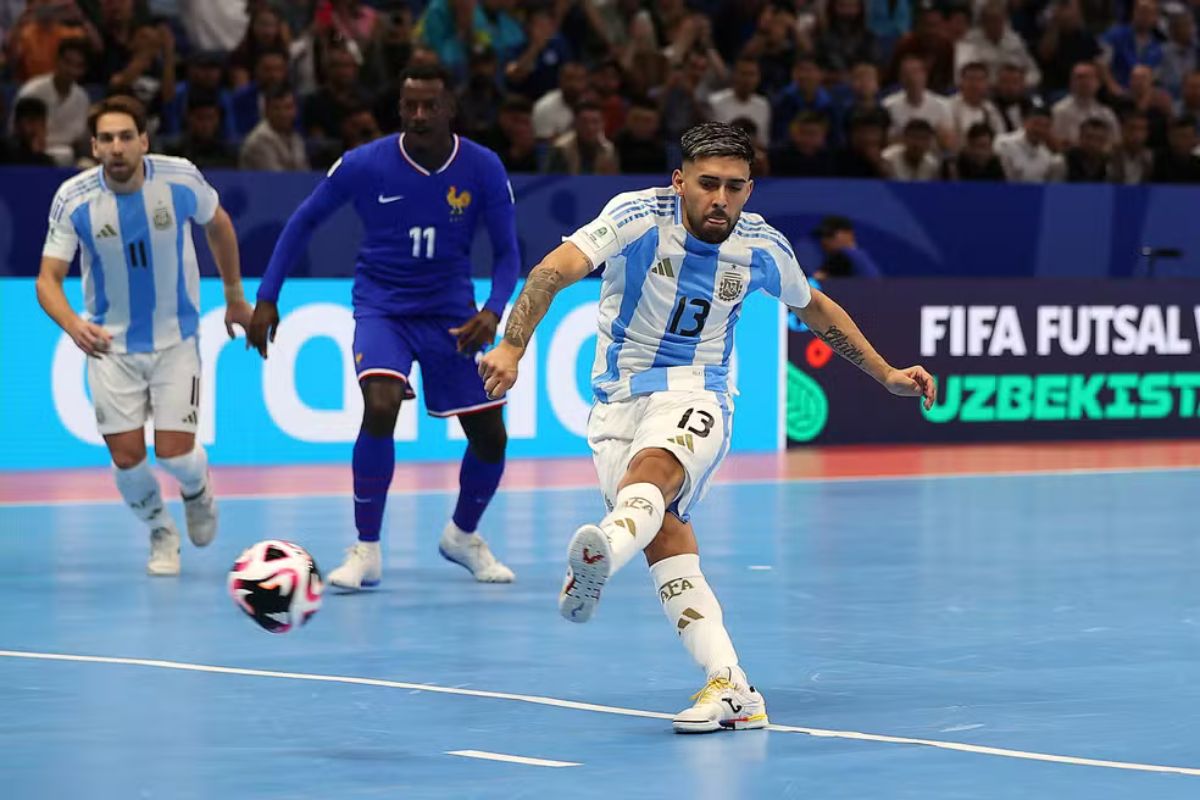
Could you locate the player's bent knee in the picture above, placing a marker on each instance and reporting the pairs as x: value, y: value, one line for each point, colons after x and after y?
x: 172, y: 444
x: 659, y: 467
x: 381, y: 404
x: 126, y: 460
x: 486, y: 434
x: 675, y: 538
x: 127, y: 449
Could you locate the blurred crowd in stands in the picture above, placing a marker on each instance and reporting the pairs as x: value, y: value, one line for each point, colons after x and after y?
x: 1021, y: 91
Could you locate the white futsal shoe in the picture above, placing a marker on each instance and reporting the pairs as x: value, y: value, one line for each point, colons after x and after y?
x: 471, y: 552
x: 589, y: 564
x: 727, y: 702
x: 201, y: 511
x: 362, y: 568
x: 164, y: 550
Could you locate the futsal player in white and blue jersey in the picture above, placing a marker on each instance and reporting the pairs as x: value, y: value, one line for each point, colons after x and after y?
x: 130, y: 219
x: 680, y: 261
x: 420, y: 196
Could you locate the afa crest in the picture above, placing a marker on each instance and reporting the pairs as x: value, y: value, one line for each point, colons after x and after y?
x: 458, y: 201
x: 162, y: 218
x: 730, y: 287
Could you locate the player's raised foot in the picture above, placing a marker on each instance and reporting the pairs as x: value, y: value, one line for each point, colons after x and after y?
x: 589, y: 561
x: 201, y: 511
x: 362, y: 568
x: 727, y: 702
x: 471, y: 552
x: 164, y: 551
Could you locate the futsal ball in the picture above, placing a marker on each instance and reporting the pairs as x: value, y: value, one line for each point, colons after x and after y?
x: 277, y: 584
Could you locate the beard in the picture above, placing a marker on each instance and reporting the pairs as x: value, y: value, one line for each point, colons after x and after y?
x: 122, y: 172
x: 710, y: 227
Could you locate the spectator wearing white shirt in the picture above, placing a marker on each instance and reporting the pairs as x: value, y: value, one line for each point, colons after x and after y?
x: 214, y: 24
x: 971, y: 106
x: 66, y: 101
x: 914, y: 101
x: 1081, y: 104
x: 993, y: 43
x: 741, y: 100
x: 1025, y: 155
x: 554, y: 112
x: 912, y: 158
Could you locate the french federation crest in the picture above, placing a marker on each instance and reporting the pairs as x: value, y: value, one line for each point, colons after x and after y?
x: 458, y: 201
x: 730, y: 287
x: 162, y: 218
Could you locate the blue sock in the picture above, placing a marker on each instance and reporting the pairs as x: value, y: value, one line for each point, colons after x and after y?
x: 477, y: 481
x: 373, y: 464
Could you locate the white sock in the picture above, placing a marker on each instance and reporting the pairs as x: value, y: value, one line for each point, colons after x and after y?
x: 190, y: 469
x: 635, y: 520
x: 693, y: 610
x: 139, y: 488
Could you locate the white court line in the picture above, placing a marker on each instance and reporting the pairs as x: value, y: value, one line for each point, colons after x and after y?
x: 592, y: 486
x: 601, y: 709
x: 533, y: 762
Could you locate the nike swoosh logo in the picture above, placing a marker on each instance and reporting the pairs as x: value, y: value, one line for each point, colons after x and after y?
x: 358, y: 499
x: 392, y: 199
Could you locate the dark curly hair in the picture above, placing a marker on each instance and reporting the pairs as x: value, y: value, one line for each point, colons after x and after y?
x: 716, y: 140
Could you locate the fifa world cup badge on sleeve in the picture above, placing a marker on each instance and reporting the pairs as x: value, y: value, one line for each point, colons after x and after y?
x: 599, y: 234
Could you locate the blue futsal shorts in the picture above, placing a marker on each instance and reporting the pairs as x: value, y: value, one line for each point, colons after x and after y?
x: 450, y: 382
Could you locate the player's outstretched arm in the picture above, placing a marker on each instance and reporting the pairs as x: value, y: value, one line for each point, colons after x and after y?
x: 830, y: 323
x: 329, y: 195
x: 222, y: 240
x: 563, y: 266
x: 89, y: 337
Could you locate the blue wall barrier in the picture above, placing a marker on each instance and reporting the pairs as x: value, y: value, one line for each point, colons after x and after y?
x: 979, y: 230
x: 303, y: 404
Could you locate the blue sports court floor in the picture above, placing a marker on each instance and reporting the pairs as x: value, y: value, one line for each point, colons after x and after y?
x: 979, y: 637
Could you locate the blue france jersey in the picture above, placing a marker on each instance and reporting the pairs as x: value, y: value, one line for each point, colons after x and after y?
x: 668, y: 301
x: 141, y: 281
x: 418, y: 227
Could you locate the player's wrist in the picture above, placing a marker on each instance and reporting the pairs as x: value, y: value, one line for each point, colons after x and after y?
x: 234, y: 293
x: 511, y: 346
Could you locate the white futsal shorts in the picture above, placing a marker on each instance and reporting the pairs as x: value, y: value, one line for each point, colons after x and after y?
x: 694, y: 426
x: 130, y: 388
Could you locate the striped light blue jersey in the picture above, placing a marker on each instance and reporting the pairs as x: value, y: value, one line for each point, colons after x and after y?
x: 669, y: 301
x: 141, y: 281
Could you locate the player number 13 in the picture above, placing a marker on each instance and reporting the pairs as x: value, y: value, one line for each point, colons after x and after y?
x: 429, y: 235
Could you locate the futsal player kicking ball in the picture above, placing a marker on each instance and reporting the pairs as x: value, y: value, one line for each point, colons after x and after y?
x: 141, y: 285
x: 680, y: 263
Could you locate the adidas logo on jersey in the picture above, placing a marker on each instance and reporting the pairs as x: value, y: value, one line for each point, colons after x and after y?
x: 190, y: 419
x: 108, y: 231
x: 663, y: 268
x: 685, y: 440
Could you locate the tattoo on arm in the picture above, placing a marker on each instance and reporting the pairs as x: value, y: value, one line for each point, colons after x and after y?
x: 840, y: 344
x: 540, y: 288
